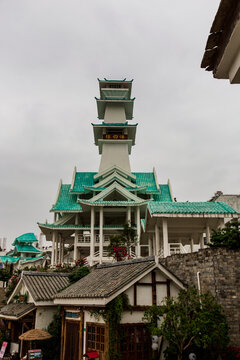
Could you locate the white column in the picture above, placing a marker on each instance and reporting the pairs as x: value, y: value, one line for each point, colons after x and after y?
x: 165, y: 237
x: 53, y: 248
x: 154, y: 245
x: 221, y: 223
x: 208, y: 234
x: 92, y: 244
x: 129, y: 216
x: 191, y: 244
x: 75, y: 251
x: 56, y: 250
x: 150, y: 246
x: 201, y: 241
x: 138, y: 231
x: 157, y: 240
x: 101, y: 233
x: 62, y: 251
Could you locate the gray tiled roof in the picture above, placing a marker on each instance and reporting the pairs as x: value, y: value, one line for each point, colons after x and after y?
x: 105, y: 280
x: 16, y: 310
x: 43, y: 286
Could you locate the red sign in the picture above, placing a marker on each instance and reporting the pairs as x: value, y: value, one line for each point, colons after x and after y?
x: 3, y: 349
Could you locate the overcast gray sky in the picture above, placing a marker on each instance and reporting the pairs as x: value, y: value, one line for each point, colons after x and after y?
x: 52, y: 52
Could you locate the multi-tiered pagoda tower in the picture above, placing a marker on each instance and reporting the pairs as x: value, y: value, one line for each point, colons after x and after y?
x: 97, y: 205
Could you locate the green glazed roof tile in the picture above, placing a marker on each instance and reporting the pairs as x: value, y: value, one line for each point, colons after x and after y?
x: 164, y: 194
x: 26, y: 249
x: 158, y: 207
x: 83, y: 179
x: 146, y: 179
x: 66, y: 201
x: 27, y: 238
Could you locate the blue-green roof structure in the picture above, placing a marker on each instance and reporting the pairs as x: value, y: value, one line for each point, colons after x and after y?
x: 23, y: 250
x: 194, y: 208
x: 25, y: 238
x: 67, y: 201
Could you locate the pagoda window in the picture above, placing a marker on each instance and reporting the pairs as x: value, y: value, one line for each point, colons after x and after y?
x: 115, y: 86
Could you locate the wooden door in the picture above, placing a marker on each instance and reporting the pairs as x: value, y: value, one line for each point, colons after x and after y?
x: 71, y: 341
x: 135, y: 342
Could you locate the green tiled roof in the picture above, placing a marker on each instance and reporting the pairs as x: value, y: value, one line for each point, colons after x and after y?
x: 164, y: 194
x: 70, y: 227
x: 28, y: 238
x: 114, y: 124
x: 66, y: 201
x: 83, y: 179
x: 158, y: 207
x: 113, y: 203
x: 146, y: 179
x: 113, y: 81
x: 26, y: 249
x: 11, y: 259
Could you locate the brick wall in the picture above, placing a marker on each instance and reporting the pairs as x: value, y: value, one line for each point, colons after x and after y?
x: 219, y: 273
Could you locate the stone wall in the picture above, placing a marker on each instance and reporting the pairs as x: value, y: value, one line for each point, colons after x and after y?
x: 219, y: 273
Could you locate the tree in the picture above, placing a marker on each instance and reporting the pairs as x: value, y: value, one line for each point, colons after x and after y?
x: 79, y: 272
x: 120, y: 244
x: 191, y: 320
x: 228, y: 237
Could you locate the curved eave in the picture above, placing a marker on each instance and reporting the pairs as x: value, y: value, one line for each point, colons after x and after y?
x: 79, y: 227
x: 202, y: 215
x: 112, y: 204
x: 66, y: 210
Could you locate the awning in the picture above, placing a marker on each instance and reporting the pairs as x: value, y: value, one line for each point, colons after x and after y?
x: 16, y: 311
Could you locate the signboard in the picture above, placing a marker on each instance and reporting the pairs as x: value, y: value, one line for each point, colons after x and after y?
x: 115, y: 136
x: 34, y: 354
x: 3, y: 349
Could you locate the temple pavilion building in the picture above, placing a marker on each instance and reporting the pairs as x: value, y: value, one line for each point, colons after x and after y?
x: 98, y: 204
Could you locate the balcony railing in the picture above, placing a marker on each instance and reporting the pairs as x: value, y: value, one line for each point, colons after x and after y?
x: 86, y: 239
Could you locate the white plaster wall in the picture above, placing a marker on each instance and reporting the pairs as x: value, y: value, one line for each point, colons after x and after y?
x: 174, y: 291
x: 160, y: 276
x: 114, y: 113
x: 130, y: 293
x: 115, y: 154
x: 144, y: 295
x: 132, y: 317
x: 44, y: 315
x: 147, y: 279
x: 161, y: 292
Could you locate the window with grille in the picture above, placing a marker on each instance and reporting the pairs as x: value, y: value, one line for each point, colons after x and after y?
x: 95, y: 337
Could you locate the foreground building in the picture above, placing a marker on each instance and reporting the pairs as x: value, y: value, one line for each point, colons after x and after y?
x: 98, y: 204
x: 31, y: 305
x: 144, y: 282
x: 222, y: 53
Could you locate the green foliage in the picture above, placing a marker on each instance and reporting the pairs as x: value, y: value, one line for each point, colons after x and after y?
x: 191, y: 320
x: 78, y: 274
x: 112, y: 314
x: 228, y: 237
x: 4, y: 275
x: 119, y: 246
x: 51, y: 348
x: 12, y: 284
